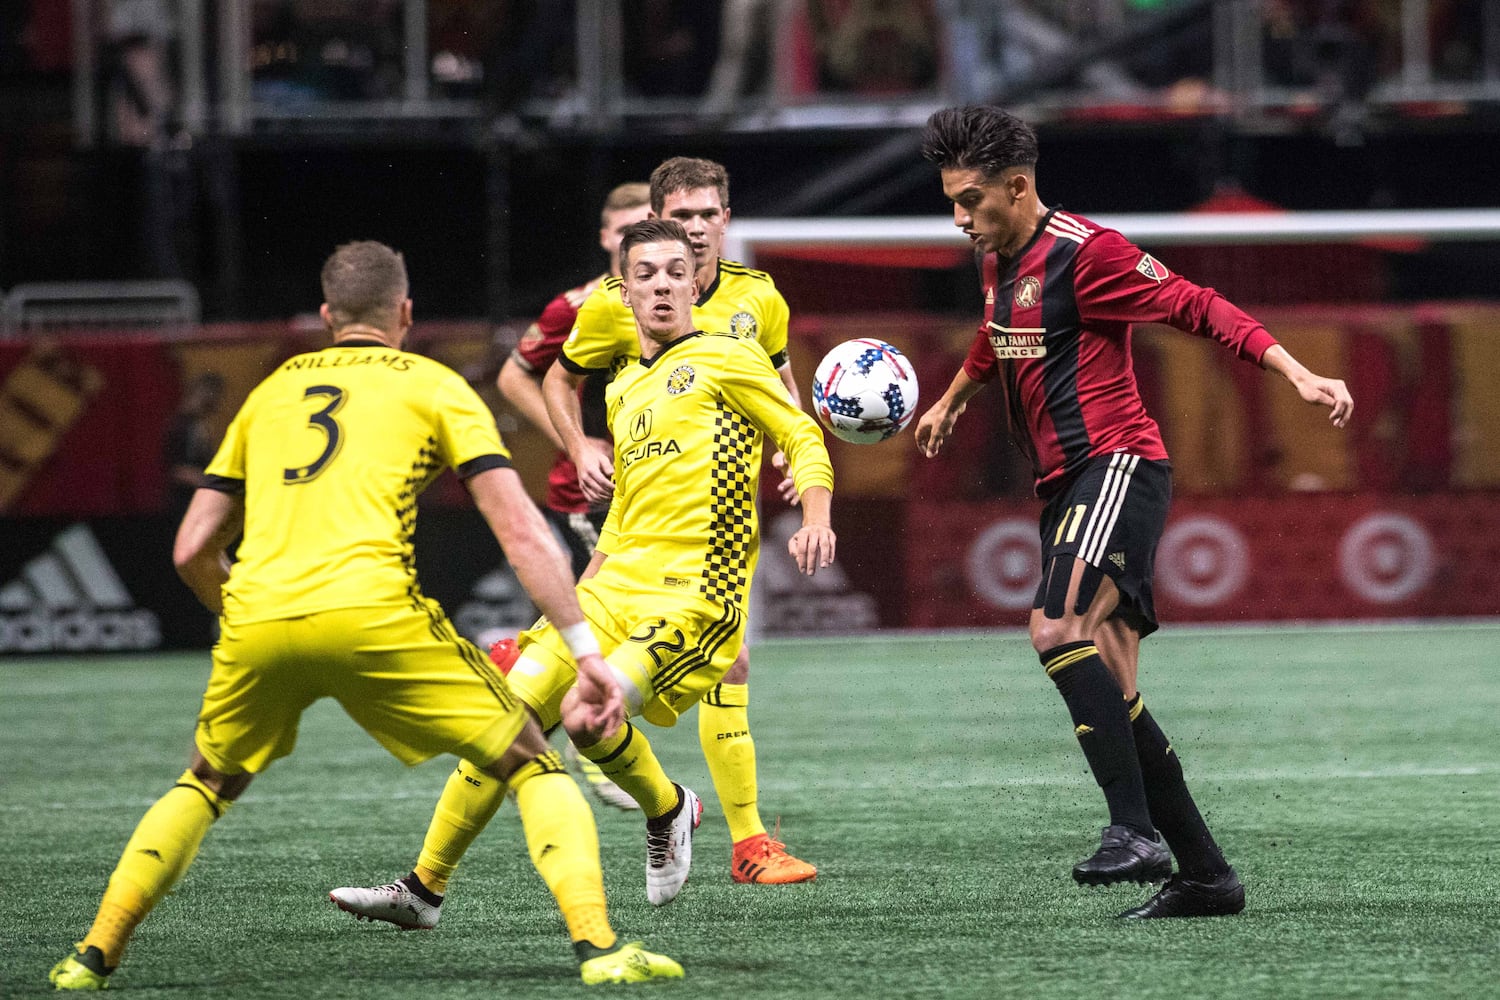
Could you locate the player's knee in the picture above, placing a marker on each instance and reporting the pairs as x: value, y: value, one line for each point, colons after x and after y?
x: 1049, y: 633
x: 739, y: 671
x: 225, y: 786
x: 577, y: 722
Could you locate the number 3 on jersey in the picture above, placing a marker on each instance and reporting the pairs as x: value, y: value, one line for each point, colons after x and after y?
x: 323, y: 421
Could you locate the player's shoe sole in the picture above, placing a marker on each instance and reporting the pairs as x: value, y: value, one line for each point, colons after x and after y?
x: 1124, y: 856
x: 628, y: 963
x: 1186, y: 897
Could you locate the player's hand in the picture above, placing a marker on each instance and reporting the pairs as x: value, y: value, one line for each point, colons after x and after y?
x: 788, y: 486
x: 599, y: 702
x: 596, y: 470
x: 935, y: 426
x: 812, y: 547
x: 1329, y: 392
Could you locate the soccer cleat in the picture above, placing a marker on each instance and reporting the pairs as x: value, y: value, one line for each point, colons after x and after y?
x: 504, y: 654
x: 395, y: 904
x: 1124, y: 856
x: 629, y: 963
x: 762, y: 858
x: 669, y: 849
x: 82, y: 970
x: 1191, y: 897
x: 604, y: 790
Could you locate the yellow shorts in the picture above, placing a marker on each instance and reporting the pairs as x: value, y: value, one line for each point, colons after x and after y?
x: 665, y: 650
x: 402, y: 673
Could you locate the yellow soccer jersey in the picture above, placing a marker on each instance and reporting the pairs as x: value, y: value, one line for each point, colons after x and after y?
x: 741, y: 301
x: 688, y: 428
x: 331, y: 451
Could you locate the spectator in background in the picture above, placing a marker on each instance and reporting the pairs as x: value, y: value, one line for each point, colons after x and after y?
x: 142, y: 92
x: 670, y: 46
x: 191, y: 440
x: 875, y: 46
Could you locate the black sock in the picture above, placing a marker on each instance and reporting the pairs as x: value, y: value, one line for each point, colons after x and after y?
x: 1172, y: 806
x: 1102, y: 726
x: 419, y: 890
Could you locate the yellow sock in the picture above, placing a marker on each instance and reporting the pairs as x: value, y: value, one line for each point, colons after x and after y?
x: 158, y: 853
x: 469, y: 801
x: 564, y: 845
x: 628, y: 760
x: 724, y: 731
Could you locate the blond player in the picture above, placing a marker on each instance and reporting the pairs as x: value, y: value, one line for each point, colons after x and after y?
x: 682, y: 538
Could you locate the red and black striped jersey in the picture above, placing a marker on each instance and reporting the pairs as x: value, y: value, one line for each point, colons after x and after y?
x: 536, y: 352
x: 1056, y: 336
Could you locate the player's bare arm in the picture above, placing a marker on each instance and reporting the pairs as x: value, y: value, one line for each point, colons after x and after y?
x: 813, y: 544
x: 523, y: 390
x: 212, y: 522
x: 596, y: 467
x: 1329, y: 392
x: 788, y: 486
x: 937, y: 423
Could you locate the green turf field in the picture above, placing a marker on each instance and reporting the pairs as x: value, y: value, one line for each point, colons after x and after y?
x: 1353, y: 776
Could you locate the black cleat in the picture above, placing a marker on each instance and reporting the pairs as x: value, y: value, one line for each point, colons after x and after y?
x: 1188, y: 897
x: 1124, y: 856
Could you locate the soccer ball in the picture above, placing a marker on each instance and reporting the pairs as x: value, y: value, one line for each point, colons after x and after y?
x: 864, y: 391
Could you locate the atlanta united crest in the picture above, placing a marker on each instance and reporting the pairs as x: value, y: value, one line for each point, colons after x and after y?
x: 742, y: 324
x: 681, y: 380
x: 1028, y: 292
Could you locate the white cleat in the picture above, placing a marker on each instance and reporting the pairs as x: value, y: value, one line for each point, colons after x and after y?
x: 669, y: 850
x: 394, y: 903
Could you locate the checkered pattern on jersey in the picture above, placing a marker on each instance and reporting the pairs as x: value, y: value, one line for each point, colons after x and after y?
x: 731, y: 507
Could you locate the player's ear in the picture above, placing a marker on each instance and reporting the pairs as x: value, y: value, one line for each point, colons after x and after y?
x: 327, y: 315
x: 726, y: 215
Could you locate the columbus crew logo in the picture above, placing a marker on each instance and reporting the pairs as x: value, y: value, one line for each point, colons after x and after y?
x: 742, y: 324
x: 1028, y: 291
x: 680, y: 381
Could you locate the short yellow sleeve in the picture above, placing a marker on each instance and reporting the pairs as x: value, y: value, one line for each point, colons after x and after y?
x: 466, y: 428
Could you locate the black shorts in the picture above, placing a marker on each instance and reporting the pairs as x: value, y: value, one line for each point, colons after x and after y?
x: 1111, y: 516
x: 579, y: 533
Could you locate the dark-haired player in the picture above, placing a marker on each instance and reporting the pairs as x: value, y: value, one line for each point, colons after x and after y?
x: 1061, y: 296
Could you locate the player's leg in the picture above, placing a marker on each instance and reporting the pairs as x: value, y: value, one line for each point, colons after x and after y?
x: 579, y: 533
x: 729, y: 749
x: 164, y: 844
x: 1103, y: 521
x: 564, y: 846
x: 1205, y: 884
x: 249, y: 715
x: 673, y: 812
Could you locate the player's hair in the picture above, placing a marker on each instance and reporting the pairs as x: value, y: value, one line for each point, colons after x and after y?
x: 365, y: 282
x: 978, y: 137
x: 685, y: 173
x: 631, y: 195
x: 653, y: 231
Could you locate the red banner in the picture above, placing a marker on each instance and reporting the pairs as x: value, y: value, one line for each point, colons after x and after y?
x: 1308, y: 556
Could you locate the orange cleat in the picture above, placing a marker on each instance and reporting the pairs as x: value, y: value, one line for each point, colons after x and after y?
x: 504, y: 654
x: 762, y: 858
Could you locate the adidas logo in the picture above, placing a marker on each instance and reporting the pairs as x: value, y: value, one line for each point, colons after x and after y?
x: 70, y: 599
x: 1118, y: 558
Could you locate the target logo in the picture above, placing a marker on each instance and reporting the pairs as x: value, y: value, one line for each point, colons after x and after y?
x: 1386, y: 557
x: 1004, y: 564
x: 1202, y: 561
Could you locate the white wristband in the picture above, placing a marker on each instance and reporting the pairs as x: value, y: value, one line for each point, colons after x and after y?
x: 580, y: 640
